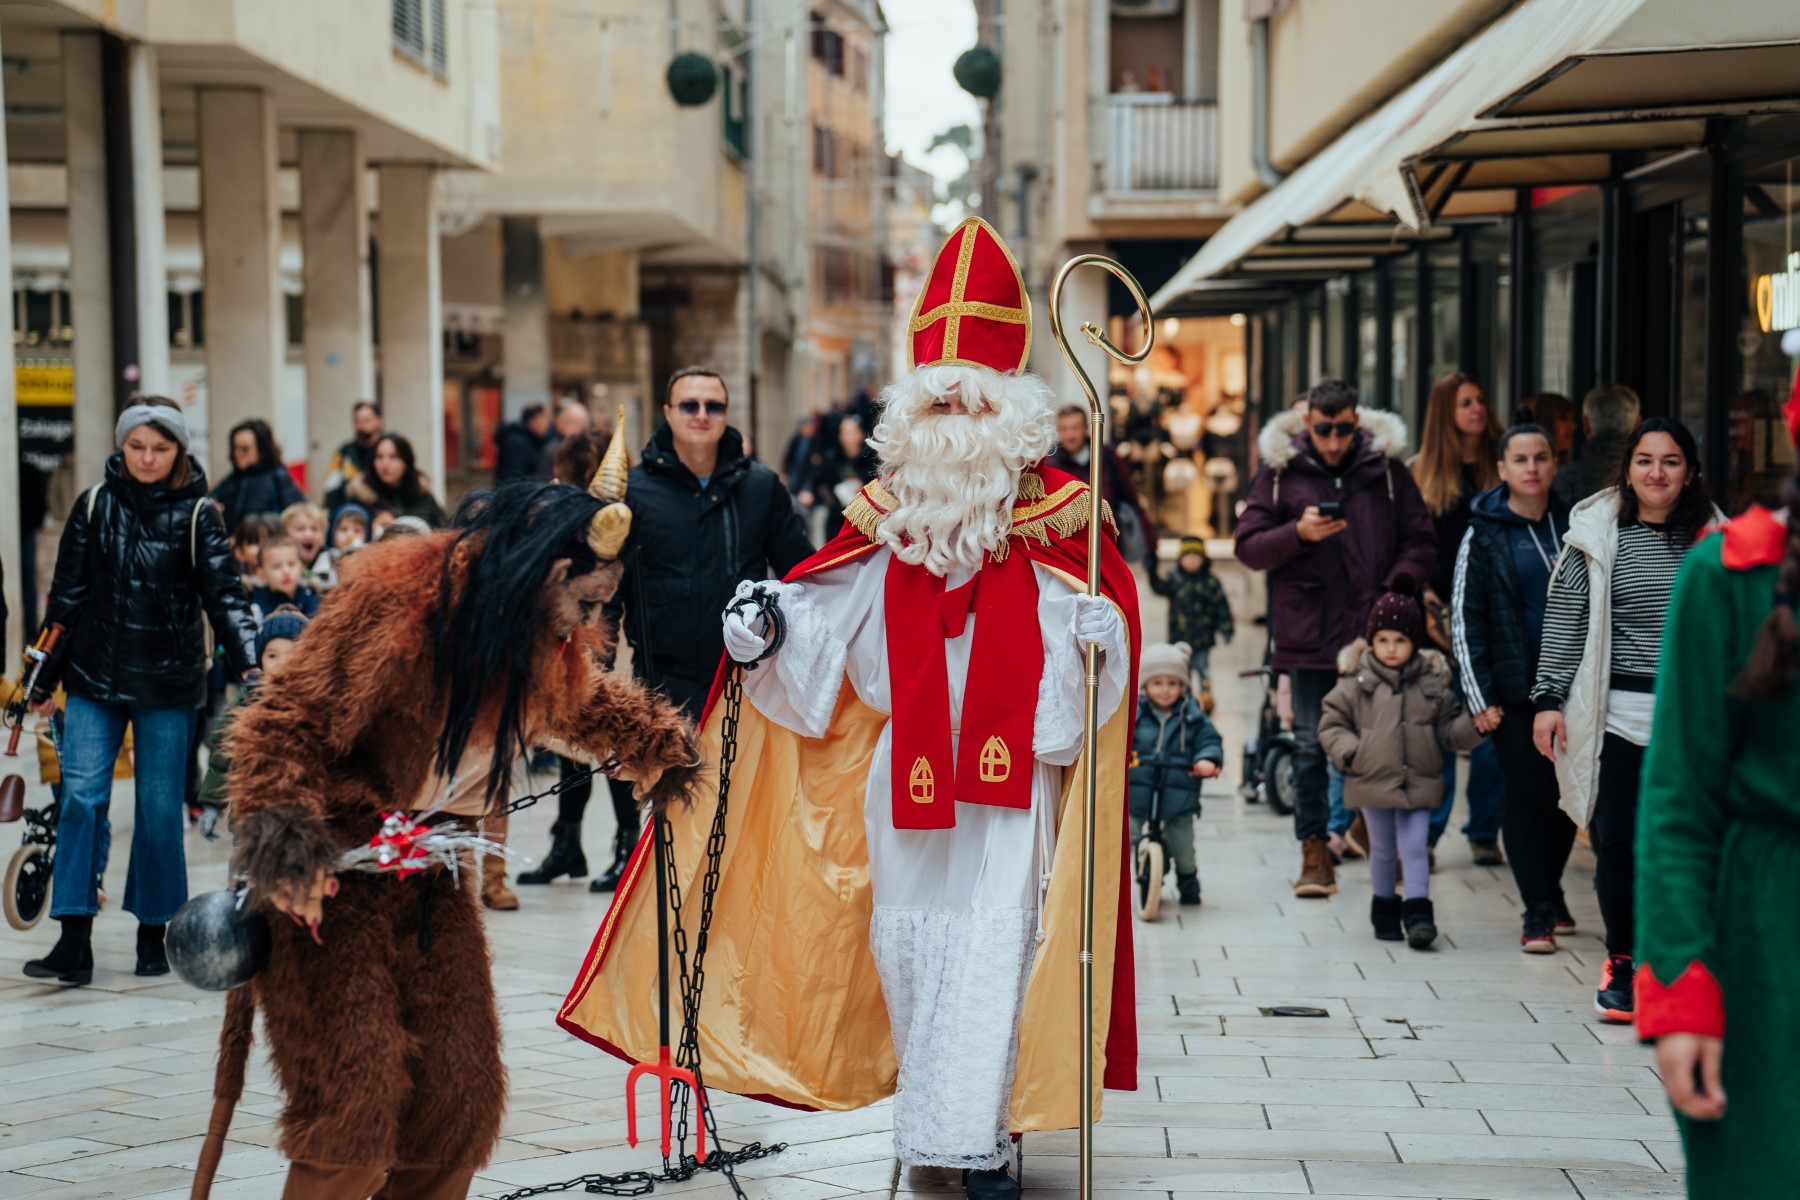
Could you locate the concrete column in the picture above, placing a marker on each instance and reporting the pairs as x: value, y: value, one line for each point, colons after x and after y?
x: 240, y: 241
x: 9, y: 447
x: 527, y: 315
x: 334, y: 243
x: 410, y: 306
x: 90, y: 278
x: 144, y: 92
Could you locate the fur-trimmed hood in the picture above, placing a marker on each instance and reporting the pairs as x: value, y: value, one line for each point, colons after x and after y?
x: 1283, y: 438
x: 1359, y: 660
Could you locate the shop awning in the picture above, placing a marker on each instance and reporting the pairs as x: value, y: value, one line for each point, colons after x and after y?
x: 1543, y: 97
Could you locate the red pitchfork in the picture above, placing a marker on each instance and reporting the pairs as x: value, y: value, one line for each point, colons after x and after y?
x: 665, y: 1071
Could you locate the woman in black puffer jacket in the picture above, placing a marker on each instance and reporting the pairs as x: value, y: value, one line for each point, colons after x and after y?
x: 144, y: 563
x: 259, y: 485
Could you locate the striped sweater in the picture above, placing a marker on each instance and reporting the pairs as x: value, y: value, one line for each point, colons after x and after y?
x: 1643, y: 580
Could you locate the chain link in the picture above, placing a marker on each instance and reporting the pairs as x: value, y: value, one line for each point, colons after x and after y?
x: 581, y: 776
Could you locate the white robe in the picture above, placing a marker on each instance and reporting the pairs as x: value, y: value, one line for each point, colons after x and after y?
x: 956, y: 910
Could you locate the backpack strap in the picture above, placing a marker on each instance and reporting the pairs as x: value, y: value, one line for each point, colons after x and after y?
x: 93, y: 494
x: 194, y: 533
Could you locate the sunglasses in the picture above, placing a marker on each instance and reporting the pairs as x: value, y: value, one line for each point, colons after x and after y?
x: 691, y: 408
x: 1339, y: 428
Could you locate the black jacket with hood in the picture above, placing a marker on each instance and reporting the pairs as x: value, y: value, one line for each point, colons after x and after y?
x: 689, y: 547
x: 1490, y: 636
x: 138, y: 573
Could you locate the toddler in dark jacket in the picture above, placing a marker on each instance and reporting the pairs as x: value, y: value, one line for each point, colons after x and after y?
x: 1174, y: 746
x: 1385, y: 726
x: 279, y: 563
x: 1199, y: 613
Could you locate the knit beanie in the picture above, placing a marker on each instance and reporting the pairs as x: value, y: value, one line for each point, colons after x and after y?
x: 350, y: 509
x: 1192, y: 545
x: 1401, y: 613
x: 1161, y: 658
x: 285, y: 622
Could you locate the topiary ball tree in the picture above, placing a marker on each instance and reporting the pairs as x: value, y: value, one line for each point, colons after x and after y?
x: 977, y: 71
x: 693, y: 78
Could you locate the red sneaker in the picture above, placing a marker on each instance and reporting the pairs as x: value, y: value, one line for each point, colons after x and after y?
x: 1539, y: 936
x: 1612, y: 1001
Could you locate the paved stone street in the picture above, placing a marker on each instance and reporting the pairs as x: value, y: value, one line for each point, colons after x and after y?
x: 1469, y: 1071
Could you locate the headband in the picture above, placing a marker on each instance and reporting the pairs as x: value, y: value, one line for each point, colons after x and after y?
x: 168, y: 420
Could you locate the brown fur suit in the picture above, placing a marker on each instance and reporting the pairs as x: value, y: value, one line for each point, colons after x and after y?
x: 384, y: 1033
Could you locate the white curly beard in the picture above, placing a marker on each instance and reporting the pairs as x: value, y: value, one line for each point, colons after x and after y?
x: 955, y: 477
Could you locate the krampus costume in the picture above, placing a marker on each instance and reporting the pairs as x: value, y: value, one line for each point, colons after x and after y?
x: 437, y: 661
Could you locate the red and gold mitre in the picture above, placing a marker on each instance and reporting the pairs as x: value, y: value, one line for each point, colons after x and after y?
x: 973, y: 311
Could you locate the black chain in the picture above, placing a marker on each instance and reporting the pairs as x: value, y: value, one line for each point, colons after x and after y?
x: 581, y: 776
x: 684, y: 1165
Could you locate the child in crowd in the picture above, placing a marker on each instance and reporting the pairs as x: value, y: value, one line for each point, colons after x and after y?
x: 380, y: 517
x: 275, y: 641
x: 1173, y: 748
x: 305, y: 524
x: 1386, y: 725
x: 349, y: 532
x: 281, y: 572
x: 1199, y: 613
x: 246, y: 545
x: 408, y: 526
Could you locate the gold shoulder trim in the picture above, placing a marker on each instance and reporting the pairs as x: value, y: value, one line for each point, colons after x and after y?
x: 1065, y: 513
x: 870, y: 509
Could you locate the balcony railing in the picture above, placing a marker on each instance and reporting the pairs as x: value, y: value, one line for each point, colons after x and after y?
x: 1156, y: 143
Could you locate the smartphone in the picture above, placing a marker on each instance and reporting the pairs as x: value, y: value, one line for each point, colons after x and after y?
x: 1332, y: 509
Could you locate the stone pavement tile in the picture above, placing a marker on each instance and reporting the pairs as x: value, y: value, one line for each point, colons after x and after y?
x: 877, y: 1175
x: 1295, y: 1091
x: 1669, y: 1155
x: 1137, y: 1141
x: 1490, y: 1032
x: 1368, y: 1145
x: 1630, y: 1185
x: 1635, y: 1127
x: 1423, y: 1069
x: 1531, y: 992
x: 1281, y: 1047
x: 1359, y: 1118
x: 524, y: 1122
x: 1253, y: 1005
x: 21, y: 1154
x: 1491, y: 1150
x: 1150, y: 1112
x: 93, y: 1124
x: 1622, y: 1074
x: 1520, y: 1052
x: 1607, y: 1053
x: 1288, y: 1027
x: 1438, y: 1180
x: 1160, y: 1043
x: 130, y: 1186
x: 802, y: 1157
x: 1241, y: 1175
x: 1218, y: 1066
x: 1572, y: 1010
x: 1536, y: 1097
x: 1206, y: 1025
x: 47, y: 1104
x: 1427, y: 1010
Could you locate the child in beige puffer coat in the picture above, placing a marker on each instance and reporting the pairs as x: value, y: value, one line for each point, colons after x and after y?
x: 1386, y: 725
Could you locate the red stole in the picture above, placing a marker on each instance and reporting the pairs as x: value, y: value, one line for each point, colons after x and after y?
x: 999, y: 711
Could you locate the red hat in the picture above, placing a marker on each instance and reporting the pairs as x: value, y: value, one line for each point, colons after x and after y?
x: 973, y: 311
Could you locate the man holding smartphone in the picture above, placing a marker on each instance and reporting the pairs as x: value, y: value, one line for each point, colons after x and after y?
x: 1335, y: 519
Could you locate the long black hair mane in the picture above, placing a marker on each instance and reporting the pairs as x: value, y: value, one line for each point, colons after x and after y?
x: 511, y: 538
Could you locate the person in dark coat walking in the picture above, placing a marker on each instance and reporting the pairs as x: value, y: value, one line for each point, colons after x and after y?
x: 519, y: 444
x: 1137, y: 532
x: 1497, y: 599
x: 144, y: 564
x: 1326, y: 571
x: 259, y: 485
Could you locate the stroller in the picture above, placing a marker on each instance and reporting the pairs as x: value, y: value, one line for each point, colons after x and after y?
x: 1269, y: 756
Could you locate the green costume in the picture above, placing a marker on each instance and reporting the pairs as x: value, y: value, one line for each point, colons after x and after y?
x: 1718, y: 849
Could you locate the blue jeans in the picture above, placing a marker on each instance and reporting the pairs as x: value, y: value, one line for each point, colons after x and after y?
x: 1341, y: 819
x: 1486, y: 787
x: 156, y: 883
x: 1312, y: 805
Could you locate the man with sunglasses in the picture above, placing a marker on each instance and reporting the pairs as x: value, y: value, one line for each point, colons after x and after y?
x: 1336, y: 520
x: 704, y: 516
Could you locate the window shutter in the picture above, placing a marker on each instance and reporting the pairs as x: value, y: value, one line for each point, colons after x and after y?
x: 409, y: 28
x: 440, y: 57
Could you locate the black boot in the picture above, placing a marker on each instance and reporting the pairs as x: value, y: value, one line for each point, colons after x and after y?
x: 72, y: 959
x: 1416, y: 916
x: 152, y: 958
x: 1189, y: 887
x: 565, y: 857
x: 997, y: 1184
x: 623, y: 843
x: 1384, y: 914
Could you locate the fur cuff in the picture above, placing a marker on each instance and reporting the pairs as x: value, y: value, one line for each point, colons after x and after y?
x: 1694, y: 1003
x: 281, y: 845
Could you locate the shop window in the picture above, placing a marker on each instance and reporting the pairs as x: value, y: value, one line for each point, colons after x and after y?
x: 1761, y: 456
x: 1446, y: 312
x: 1403, y: 339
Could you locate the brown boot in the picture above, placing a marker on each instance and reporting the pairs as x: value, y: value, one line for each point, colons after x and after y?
x: 1316, y: 875
x: 494, y: 892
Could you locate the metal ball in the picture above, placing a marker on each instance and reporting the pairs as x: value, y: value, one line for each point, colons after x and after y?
x: 215, y: 945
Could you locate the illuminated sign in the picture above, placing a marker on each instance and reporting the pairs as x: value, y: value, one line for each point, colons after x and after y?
x: 1778, y: 298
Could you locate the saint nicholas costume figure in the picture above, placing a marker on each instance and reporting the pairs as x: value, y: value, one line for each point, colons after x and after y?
x: 899, y: 904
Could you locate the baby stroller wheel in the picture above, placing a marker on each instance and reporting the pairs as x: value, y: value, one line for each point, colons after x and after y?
x: 1278, y: 780
x: 27, y: 888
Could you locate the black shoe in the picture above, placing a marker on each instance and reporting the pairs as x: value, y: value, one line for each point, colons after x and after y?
x: 623, y: 843
x: 565, y: 857
x: 997, y: 1184
x: 1416, y: 916
x: 1613, y: 998
x: 1539, y: 935
x: 152, y: 958
x: 1486, y: 852
x: 72, y: 958
x: 1189, y: 887
x: 1565, y: 920
x: 1384, y: 914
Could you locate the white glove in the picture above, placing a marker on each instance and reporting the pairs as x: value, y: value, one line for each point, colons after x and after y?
x: 742, y: 643
x: 1097, y: 623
